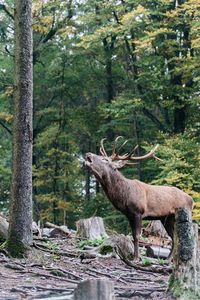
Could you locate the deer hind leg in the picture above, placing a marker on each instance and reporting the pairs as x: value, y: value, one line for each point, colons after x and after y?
x: 136, y: 225
x: 168, y: 223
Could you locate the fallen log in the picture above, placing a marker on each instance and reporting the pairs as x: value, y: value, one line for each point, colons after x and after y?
x: 157, y: 252
x: 62, y: 229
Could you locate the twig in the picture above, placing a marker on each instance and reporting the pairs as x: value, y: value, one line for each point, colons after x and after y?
x: 2, y: 6
x: 50, y: 276
x: 66, y: 272
x: 163, y: 270
x: 61, y: 253
x: 42, y: 288
x: 99, y: 272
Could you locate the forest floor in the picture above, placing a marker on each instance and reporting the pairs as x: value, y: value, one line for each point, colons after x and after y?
x: 51, y: 271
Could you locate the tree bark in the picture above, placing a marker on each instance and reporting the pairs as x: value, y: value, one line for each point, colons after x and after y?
x: 20, y: 226
x: 92, y: 228
x: 3, y: 228
x: 95, y: 289
x: 185, y: 279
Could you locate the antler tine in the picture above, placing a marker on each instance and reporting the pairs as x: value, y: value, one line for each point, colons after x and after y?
x: 126, y: 156
x: 148, y: 155
x: 121, y: 147
x: 102, y: 150
x: 116, y: 155
x: 130, y: 154
x: 113, y: 155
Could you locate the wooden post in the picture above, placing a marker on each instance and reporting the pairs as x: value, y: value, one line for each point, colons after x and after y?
x: 94, y: 289
x: 185, y: 278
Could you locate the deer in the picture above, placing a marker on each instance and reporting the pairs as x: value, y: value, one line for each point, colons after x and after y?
x: 135, y: 199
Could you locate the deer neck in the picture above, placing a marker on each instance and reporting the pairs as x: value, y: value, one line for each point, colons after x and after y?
x: 115, y: 187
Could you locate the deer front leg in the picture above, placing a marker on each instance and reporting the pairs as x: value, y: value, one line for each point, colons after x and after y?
x: 136, y: 225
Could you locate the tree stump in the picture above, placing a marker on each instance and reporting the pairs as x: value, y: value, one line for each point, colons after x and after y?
x: 156, y: 228
x: 94, y: 289
x: 185, y: 278
x: 3, y: 228
x: 92, y: 228
x: 116, y: 242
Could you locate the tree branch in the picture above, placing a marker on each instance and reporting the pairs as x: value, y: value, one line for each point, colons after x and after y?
x: 5, y: 127
x: 3, y: 7
x: 153, y: 118
x: 52, y: 32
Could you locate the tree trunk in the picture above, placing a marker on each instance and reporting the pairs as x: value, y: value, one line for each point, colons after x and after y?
x: 20, y: 226
x: 179, y: 120
x: 185, y: 279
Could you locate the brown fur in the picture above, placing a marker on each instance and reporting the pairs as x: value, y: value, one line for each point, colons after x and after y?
x: 138, y: 200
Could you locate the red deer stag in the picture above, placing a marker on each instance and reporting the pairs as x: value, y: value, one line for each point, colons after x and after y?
x: 135, y: 199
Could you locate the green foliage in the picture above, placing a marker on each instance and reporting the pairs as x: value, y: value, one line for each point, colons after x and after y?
x: 51, y: 245
x: 146, y: 262
x: 180, y: 165
x: 105, y: 249
x: 57, y: 273
x: 93, y: 243
x: 15, y: 250
x: 162, y: 261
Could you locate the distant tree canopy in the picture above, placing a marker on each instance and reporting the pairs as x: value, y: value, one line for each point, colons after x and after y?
x: 102, y: 69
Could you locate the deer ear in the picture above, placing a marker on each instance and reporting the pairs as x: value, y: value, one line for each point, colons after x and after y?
x: 119, y: 164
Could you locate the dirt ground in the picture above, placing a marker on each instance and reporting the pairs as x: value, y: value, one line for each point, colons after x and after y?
x: 48, y: 274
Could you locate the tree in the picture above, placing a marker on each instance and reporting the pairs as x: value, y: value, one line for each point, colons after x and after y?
x: 20, y: 226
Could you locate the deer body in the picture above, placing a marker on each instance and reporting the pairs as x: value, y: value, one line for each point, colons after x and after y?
x: 135, y: 199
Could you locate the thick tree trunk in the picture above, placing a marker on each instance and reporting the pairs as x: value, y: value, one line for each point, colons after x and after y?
x: 20, y: 226
x: 185, y: 278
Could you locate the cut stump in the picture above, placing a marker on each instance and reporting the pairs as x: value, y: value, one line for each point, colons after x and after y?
x: 3, y: 228
x: 92, y: 228
x: 116, y: 242
x: 185, y: 278
x: 94, y: 289
x: 156, y: 228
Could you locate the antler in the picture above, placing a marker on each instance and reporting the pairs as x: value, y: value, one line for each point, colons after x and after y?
x: 102, y: 150
x: 130, y: 156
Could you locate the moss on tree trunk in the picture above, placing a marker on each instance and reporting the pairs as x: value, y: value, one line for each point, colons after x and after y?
x: 185, y: 278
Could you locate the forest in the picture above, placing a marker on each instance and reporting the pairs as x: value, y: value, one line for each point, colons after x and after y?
x: 103, y: 69
x: 88, y: 87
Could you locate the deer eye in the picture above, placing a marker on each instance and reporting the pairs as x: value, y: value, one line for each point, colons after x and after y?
x: 105, y: 159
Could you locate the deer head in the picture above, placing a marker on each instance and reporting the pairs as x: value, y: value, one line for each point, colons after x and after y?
x: 101, y: 165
